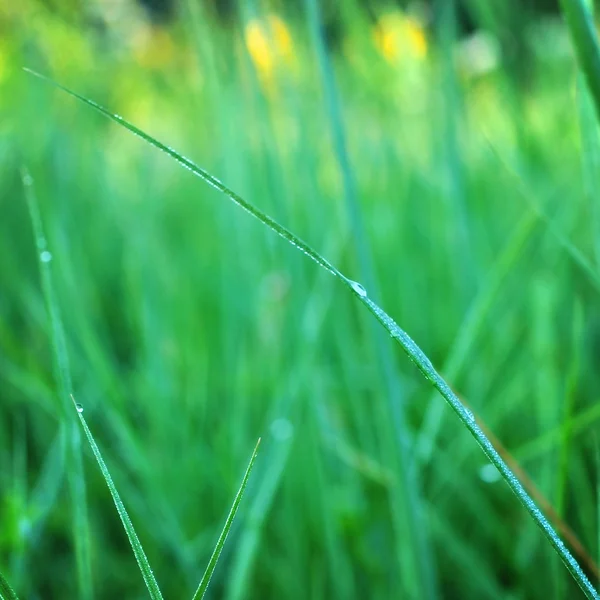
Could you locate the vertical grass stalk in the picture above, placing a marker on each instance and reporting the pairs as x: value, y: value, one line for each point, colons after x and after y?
x: 62, y: 370
x: 585, y: 41
x: 410, y: 488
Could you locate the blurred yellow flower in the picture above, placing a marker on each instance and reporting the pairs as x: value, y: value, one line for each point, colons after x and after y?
x: 269, y: 43
x: 398, y: 37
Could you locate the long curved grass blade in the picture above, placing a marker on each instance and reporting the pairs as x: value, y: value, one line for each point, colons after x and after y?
x: 212, y: 563
x: 6, y: 592
x: 210, y: 179
x: 413, y: 351
x: 585, y: 40
x: 140, y: 555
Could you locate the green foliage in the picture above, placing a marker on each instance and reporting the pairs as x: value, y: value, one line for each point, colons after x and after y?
x: 6, y: 592
x: 191, y: 331
x: 138, y: 551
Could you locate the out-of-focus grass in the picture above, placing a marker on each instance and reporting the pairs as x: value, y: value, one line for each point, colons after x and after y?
x: 191, y: 331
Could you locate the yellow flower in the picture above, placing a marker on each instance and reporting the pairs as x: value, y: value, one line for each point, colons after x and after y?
x: 269, y: 43
x: 398, y: 37
x: 416, y: 38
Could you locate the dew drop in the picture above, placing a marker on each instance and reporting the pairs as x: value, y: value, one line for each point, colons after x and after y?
x: 469, y: 415
x: 45, y: 256
x: 79, y: 408
x: 489, y: 473
x: 358, y: 288
x: 27, y: 179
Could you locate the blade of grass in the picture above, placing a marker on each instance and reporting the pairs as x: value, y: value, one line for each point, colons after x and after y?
x: 575, y: 425
x: 577, y: 256
x: 590, y: 158
x: 212, y: 563
x: 470, y: 328
x: 249, y: 543
x: 597, y: 457
x: 590, y: 154
x: 140, y: 555
x: 6, y: 592
x: 565, y: 450
x: 413, y: 351
x: 581, y: 26
x: 210, y: 179
x: 63, y: 378
x: 416, y: 564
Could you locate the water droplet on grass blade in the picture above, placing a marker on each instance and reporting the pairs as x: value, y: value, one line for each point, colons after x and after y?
x: 45, y: 256
x: 358, y: 288
x: 79, y: 408
x: 469, y: 414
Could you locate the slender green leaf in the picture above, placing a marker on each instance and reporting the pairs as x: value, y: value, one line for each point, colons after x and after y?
x: 249, y: 540
x: 140, y: 555
x: 581, y: 25
x: 212, y: 563
x: 470, y: 328
x: 62, y: 368
x: 6, y: 592
x: 416, y: 566
x: 590, y: 158
x: 413, y: 351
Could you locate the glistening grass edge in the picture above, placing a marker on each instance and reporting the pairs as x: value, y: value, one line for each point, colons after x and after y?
x: 212, y: 563
x: 6, y: 592
x: 136, y: 545
x: 414, y: 353
x: 62, y: 376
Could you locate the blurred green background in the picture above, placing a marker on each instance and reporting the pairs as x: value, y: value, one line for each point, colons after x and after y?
x: 444, y: 155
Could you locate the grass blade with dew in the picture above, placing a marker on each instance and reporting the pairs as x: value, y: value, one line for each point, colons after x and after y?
x: 597, y: 460
x: 212, y: 563
x: 76, y: 481
x: 585, y: 41
x: 413, y: 351
x: 6, y: 592
x: 140, y: 555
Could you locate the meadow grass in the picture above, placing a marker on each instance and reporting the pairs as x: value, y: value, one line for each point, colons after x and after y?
x: 191, y: 331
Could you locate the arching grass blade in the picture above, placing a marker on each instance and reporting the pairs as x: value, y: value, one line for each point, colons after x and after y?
x: 415, y: 354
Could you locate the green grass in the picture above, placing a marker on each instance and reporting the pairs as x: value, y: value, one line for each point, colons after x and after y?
x: 191, y: 330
